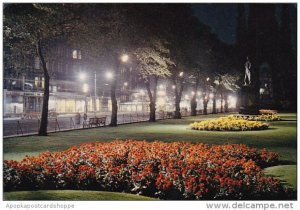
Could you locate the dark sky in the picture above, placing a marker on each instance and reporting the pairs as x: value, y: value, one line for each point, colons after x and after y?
x: 220, y: 17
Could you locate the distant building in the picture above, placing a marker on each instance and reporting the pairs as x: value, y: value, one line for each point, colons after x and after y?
x: 24, y: 82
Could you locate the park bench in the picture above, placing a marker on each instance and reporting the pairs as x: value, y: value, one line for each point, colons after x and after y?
x: 31, y: 115
x: 169, y: 115
x: 53, y: 114
x: 96, y: 121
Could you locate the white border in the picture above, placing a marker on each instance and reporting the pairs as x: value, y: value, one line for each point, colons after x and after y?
x: 130, y: 205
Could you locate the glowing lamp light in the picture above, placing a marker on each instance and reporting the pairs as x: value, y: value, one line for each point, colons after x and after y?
x: 211, y: 95
x: 261, y: 91
x: 181, y: 74
x: 124, y: 58
x: 109, y: 75
x: 232, y: 101
x: 125, y: 83
x: 173, y: 86
x: 207, y: 79
x: 82, y: 76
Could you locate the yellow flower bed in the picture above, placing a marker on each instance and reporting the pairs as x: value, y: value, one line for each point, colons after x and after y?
x: 229, y: 124
x: 263, y: 117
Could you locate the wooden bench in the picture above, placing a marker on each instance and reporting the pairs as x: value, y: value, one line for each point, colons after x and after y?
x: 31, y: 115
x: 169, y: 115
x: 53, y: 114
x: 96, y: 121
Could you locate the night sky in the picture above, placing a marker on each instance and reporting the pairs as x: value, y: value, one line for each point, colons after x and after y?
x: 220, y: 17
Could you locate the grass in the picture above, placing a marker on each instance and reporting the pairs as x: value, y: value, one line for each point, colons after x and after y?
x: 286, y: 173
x: 71, y: 195
x: 281, y: 137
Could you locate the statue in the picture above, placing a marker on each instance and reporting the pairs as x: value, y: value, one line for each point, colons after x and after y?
x: 247, y: 72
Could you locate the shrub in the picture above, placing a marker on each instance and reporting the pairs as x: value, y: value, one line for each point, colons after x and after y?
x: 166, y: 170
x: 228, y: 124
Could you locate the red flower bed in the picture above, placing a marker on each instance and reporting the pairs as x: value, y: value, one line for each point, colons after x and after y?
x: 166, y: 170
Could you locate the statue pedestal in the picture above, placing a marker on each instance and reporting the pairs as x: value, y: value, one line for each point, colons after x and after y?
x: 248, y: 101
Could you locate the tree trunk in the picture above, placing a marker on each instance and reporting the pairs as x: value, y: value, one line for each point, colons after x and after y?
x: 226, y: 103
x: 214, y: 111
x: 193, y: 100
x: 114, y: 104
x: 177, y: 114
x: 178, y: 93
x: 193, y: 106
x: 152, y: 117
x: 205, y: 102
x: 222, y: 98
x: 152, y: 97
x: 44, y: 117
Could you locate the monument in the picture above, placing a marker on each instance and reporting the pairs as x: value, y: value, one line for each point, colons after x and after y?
x: 248, y: 95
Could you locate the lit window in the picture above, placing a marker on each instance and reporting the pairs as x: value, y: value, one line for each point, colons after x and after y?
x: 74, y: 54
x: 39, y: 82
x: 36, y: 81
x: 43, y: 82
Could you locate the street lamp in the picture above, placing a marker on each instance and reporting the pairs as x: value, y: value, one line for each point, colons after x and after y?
x: 109, y: 75
x: 124, y: 58
x: 85, y: 90
x: 82, y: 76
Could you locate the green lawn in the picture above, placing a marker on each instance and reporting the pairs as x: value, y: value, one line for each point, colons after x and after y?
x: 71, y: 195
x: 286, y: 173
x: 281, y: 137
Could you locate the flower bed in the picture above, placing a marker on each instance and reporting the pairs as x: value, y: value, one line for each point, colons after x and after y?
x: 228, y: 124
x: 166, y: 170
x: 263, y: 117
x: 268, y: 111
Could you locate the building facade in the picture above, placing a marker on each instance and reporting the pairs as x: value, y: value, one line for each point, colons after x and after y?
x: 24, y: 83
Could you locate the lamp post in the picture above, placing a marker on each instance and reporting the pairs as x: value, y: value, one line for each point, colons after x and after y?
x: 95, y: 91
x: 85, y: 90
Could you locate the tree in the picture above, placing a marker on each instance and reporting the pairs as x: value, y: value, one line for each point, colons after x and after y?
x: 153, y: 62
x: 105, y: 33
x: 287, y: 64
x: 30, y: 28
x: 179, y: 31
x: 226, y: 83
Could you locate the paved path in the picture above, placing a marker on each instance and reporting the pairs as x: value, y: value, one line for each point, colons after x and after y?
x: 18, y: 126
